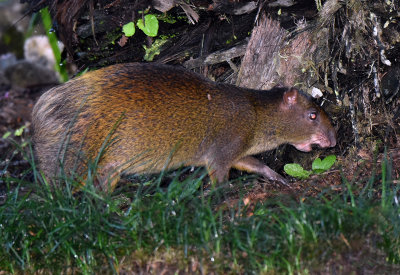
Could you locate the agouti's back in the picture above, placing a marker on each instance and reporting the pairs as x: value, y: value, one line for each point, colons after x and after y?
x: 152, y: 117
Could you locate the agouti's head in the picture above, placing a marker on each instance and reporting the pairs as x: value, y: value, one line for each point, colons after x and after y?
x: 304, y: 122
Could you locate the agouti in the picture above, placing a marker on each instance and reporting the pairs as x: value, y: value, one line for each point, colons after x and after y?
x: 143, y: 118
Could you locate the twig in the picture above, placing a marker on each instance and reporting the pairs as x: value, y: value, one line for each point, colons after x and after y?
x: 217, y: 57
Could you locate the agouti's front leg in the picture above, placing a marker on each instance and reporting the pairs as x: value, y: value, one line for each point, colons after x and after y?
x: 253, y: 165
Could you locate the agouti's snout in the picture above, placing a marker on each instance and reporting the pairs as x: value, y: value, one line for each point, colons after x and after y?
x: 152, y: 117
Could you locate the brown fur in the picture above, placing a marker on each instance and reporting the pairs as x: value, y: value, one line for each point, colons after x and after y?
x: 158, y: 116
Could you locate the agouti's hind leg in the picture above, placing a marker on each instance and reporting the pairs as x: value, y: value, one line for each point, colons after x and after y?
x: 218, y: 173
x: 107, y: 177
x: 253, y: 165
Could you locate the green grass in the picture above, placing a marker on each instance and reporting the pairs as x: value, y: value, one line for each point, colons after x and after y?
x: 52, y: 230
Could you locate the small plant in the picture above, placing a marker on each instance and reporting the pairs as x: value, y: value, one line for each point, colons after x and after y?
x: 17, y: 133
x: 149, y: 26
x: 154, y: 49
x: 318, y: 166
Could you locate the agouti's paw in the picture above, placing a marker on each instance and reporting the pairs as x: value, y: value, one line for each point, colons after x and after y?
x: 281, y: 179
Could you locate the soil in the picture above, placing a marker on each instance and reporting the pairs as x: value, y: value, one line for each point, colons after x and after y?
x: 15, y: 112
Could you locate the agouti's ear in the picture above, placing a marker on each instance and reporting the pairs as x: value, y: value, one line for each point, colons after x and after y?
x: 290, y: 97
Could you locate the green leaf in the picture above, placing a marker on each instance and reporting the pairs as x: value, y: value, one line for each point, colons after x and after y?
x: 319, y: 166
x: 19, y: 131
x: 128, y: 29
x: 149, y: 26
x: 6, y: 135
x: 295, y: 170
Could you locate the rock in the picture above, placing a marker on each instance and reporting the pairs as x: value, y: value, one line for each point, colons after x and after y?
x: 26, y: 74
x: 4, y: 82
x: 7, y: 60
x: 37, y: 50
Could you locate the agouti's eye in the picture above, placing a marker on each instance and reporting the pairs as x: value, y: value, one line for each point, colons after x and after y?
x: 312, y: 115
